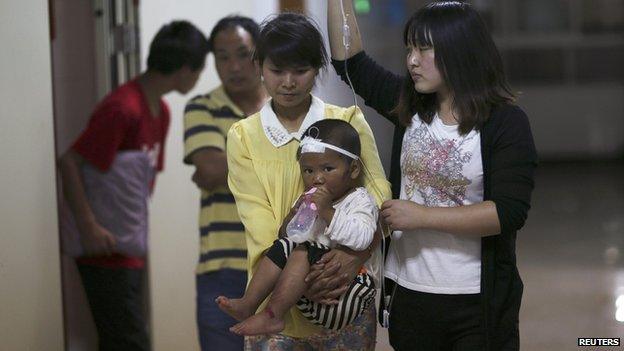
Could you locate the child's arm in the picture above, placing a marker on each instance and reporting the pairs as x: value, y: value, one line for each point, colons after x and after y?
x: 354, y: 221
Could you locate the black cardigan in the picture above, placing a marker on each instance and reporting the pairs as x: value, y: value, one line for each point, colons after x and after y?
x: 509, y: 159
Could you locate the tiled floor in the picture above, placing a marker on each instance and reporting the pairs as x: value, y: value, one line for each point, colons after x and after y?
x: 571, y: 258
x: 570, y: 254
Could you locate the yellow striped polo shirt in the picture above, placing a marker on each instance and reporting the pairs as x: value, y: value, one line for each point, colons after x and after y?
x: 207, y: 120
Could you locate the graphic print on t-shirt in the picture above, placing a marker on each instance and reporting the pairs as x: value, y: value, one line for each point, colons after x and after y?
x: 433, y: 168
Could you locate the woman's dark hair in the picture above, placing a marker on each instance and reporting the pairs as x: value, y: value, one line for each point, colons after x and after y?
x: 176, y: 45
x: 249, y: 25
x: 335, y: 132
x: 291, y: 39
x: 467, y: 59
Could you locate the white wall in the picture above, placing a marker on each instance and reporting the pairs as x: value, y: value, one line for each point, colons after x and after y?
x: 174, y: 238
x: 30, y: 292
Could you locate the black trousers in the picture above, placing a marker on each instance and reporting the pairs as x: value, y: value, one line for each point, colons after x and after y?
x: 423, y: 321
x: 116, y: 299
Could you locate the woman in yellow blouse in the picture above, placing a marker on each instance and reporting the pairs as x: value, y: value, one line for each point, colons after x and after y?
x: 265, y: 179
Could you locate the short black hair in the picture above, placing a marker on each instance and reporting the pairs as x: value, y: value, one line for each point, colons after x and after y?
x: 291, y: 39
x: 176, y: 45
x: 335, y: 132
x: 249, y: 25
x: 467, y: 59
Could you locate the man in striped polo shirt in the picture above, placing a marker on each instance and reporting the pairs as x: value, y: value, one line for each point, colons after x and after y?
x: 223, y: 256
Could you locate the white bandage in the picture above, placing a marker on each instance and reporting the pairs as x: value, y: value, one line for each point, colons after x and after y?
x: 310, y: 144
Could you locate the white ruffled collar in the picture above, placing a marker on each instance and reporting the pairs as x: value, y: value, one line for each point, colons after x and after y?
x: 277, y: 133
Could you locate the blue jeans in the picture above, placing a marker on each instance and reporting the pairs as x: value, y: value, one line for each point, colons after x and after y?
x: 213, y: 324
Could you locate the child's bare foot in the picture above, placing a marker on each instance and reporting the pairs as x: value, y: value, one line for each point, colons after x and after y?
x: 261, y: 323
x: 234, y: 307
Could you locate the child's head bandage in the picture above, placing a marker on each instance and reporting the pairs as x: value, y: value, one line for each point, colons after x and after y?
x: 310, y: 144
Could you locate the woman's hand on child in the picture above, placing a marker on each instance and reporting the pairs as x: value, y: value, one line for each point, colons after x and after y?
x: 331, y: 276
x: 402, y: 214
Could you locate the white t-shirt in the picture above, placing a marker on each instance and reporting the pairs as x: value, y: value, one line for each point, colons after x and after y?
x: 439, y: 168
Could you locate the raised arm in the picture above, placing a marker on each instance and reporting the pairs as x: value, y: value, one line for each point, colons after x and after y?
x: 379, y: 87
x: 335, y: 26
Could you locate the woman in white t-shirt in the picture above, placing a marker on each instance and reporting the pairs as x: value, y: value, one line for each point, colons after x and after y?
x: 463, y: 161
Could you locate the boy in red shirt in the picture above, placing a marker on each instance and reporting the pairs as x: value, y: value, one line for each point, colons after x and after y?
x: 133, y: 117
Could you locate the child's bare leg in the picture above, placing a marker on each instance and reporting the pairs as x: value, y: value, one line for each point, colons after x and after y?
x: 288, y: 290
x: 259, y: 288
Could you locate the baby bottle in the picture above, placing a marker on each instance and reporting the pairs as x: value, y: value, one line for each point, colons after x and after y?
x: 300, y: 226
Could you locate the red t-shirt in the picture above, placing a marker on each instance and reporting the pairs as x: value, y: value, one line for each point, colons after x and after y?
x: 123, y: 121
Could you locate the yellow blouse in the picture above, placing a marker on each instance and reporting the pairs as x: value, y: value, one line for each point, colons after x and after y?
x: 265, y: 180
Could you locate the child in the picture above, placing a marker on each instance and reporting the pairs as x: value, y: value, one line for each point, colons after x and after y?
x: 347, y: 215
